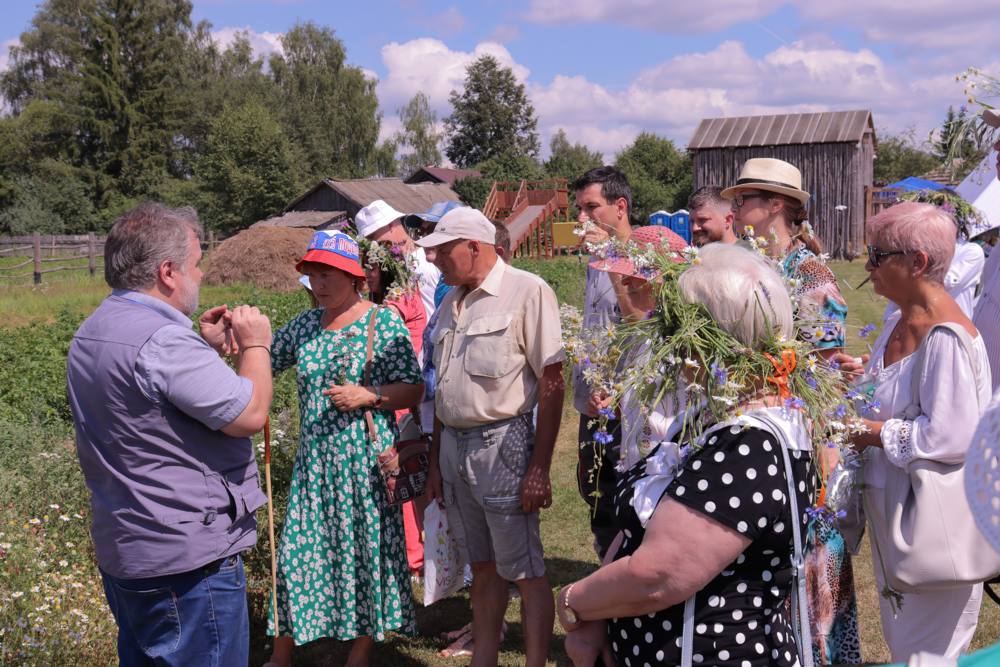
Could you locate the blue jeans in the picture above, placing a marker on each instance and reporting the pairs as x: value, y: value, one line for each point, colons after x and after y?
x: 195, y: 619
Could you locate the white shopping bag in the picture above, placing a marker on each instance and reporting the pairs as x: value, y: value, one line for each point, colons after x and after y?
x: 444, y: 562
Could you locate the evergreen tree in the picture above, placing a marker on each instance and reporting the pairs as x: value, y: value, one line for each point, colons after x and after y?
x: 570, y: 161
x: 660, y: 175
x: 418, y: 135
x: 114, y: 69
x: 490, y: 117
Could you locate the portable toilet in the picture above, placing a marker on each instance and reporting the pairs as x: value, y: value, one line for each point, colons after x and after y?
x: 680, y: 224
x: 660, y: 218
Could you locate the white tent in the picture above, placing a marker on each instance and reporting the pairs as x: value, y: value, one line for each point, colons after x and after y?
x: 982, y: 189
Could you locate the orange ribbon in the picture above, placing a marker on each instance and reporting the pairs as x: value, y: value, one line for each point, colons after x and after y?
x: 781, y: 371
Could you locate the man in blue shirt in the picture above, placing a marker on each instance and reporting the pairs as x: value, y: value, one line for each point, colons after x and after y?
x: 162, y: 432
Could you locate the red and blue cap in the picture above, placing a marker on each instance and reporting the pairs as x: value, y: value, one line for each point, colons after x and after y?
x: 335, y: 249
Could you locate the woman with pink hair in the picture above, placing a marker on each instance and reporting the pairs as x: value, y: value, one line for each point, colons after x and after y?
x: 910, y: 249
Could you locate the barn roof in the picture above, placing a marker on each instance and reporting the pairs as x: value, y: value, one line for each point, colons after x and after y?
x: 783, y: 129
x: 404, y: 197
x: 308, y: 219
x: 441, y: 174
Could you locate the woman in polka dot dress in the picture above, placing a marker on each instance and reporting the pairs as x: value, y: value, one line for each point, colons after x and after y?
x: 342, y: 569
x: 713, y: 522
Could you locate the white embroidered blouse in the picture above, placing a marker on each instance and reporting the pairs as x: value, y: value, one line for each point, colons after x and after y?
x: 954, y: 391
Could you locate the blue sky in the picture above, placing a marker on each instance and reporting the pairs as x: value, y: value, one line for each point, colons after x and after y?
x: 605, y: 70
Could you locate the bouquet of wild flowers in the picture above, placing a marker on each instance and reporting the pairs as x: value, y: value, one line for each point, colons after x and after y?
x: 682, y: 340
x: 595, y: 352
x: 398, y: 269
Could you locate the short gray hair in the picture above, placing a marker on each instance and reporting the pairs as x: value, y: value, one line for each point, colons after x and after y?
x: 143, y: 239
x: 742, y: 291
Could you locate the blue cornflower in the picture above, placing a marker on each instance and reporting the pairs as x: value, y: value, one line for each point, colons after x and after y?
x: 607, y: 413
x: 720, y: 374
x: 811, y: 380
x: 866, y: 330
x: 840, y: 411
x: 794, y: 403
x: 603, y: 438
x: 873, y: 406
x: 834, y: 366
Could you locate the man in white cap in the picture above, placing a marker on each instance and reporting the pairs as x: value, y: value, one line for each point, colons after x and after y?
x: 381, y: 223
x: 498, y: 353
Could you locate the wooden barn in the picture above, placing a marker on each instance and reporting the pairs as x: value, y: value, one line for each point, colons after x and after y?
x: 350, y: 196
x: 835, y: 151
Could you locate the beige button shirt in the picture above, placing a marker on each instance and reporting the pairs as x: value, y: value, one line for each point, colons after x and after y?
x: 490, y: 355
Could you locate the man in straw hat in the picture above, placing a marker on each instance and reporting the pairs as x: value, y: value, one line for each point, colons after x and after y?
x: 381, y: 223
x: 498, y: 353
x: 162, y: 433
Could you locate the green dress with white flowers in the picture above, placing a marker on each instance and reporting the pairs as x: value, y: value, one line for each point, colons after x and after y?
x: 342, y: 569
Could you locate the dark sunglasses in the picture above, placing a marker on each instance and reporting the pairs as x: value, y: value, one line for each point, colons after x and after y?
x: 739, y: 199
x: 875, y: 255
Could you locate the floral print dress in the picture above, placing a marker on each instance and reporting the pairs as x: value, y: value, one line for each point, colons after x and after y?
x: 821, y: 315
x: 342, y: 569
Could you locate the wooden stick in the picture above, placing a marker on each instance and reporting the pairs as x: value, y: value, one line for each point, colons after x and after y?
x: 270, y: 521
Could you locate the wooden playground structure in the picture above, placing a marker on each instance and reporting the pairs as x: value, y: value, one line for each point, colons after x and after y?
x: 536, y: 214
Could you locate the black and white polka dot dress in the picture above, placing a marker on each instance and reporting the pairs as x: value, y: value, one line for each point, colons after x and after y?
x: 741, y: 616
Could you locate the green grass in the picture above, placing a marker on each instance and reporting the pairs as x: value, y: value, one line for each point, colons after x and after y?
x: 66, y: 621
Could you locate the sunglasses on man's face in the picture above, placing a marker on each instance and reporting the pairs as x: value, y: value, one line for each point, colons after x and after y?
x: 875, y: 255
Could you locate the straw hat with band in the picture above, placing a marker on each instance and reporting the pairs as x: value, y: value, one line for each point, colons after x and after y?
x: 662, y: 238
x: 770, y: 175
x: 335, y: 249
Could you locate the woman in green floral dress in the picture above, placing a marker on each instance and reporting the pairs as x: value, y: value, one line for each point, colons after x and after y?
x: 342, y: 570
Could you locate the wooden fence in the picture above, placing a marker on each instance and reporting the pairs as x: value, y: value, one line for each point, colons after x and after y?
x: 39, y: 251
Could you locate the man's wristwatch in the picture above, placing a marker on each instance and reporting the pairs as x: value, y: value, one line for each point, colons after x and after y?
x: 379, y: 400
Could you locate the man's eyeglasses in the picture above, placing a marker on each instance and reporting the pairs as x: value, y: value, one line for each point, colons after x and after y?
x: 739, y: 199
x: 875, y: 255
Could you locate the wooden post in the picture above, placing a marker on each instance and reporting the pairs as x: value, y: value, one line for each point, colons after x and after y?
x: 91, y: 253
x: 211, y: 240
x: 36, y: 248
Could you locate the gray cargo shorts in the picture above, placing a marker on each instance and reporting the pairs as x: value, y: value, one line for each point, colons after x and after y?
x: 481, y: 473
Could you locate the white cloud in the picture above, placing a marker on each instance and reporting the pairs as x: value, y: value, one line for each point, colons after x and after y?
x: 262, y: 43
x: 672, y: 97
x: 659, y: 15
x: 968, y: 25
x: 429, y: 66
x: 5, y: 52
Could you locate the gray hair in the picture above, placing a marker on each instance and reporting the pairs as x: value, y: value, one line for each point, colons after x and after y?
x: 742, y: 291
x: 143, y: 239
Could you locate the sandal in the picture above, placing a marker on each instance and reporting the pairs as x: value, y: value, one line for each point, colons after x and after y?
x: 463, y: 645
x: 460, y: 648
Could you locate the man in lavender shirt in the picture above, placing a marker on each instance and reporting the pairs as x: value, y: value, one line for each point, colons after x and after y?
x: 162, y: 433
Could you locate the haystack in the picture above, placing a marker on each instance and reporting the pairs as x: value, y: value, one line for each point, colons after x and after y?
x: 261, y: 256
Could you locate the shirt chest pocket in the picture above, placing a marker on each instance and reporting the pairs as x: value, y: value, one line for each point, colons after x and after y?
x: 489, y: 346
